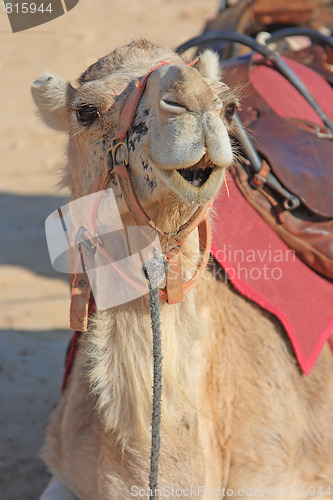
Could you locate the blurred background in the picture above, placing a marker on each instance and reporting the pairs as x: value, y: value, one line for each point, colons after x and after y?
x: 34, y: 299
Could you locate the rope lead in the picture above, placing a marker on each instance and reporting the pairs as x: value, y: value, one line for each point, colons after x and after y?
x: 154, y: 271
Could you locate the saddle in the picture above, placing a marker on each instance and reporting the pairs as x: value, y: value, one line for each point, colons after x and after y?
x: 253, y: 16
x: 284, y: 140
x: 296, y: 149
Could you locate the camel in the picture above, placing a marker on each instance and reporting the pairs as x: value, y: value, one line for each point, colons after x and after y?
x: 238, y: 415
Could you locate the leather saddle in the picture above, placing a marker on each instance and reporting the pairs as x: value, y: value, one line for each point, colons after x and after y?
x: 284, y: 165
x: 296, y: 149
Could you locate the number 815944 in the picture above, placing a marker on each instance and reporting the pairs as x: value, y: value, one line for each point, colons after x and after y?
x: 28, y: 8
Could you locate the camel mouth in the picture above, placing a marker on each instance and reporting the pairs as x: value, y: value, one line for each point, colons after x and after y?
x: 196, y: 175
x: 198, y: 183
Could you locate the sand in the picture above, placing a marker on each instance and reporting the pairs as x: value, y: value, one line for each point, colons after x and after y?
x: 34, y: 299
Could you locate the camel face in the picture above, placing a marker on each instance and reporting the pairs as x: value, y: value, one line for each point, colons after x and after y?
x: 178, y: 142
x: 183, y: 139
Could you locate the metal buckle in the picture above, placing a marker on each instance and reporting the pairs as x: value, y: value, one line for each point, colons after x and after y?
x: 86, y: 242
x: 324, y: 135
x: 257, y: 181
x: 115, y: 145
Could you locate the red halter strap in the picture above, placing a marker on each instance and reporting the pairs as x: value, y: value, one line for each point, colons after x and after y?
x: 175, y: 288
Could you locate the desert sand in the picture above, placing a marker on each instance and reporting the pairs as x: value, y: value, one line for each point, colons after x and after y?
x: 34, y: 299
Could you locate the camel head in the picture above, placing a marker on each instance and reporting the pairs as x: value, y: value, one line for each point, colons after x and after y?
x: 178, y: 142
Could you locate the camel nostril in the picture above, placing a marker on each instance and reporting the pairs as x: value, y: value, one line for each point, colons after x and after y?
x: 229, y: 111
x: 172, y: 107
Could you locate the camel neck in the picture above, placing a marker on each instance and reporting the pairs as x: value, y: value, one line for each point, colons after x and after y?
x: 119, y: 348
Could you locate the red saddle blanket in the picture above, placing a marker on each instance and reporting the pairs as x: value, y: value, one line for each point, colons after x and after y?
x: 262, y: 268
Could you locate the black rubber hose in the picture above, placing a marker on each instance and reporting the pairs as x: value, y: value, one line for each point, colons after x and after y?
x: 289, y: 74
x: 313, y: 34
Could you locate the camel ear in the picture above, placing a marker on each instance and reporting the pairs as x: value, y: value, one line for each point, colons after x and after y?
x: 208, y: 65
x: 51, y: 95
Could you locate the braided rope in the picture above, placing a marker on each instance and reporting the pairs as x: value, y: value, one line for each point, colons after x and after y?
x: 154, y: 270
x: 157, y: 389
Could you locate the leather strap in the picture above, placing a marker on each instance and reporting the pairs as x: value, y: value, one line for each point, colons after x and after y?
x: 79, y: 303
x: 169, y: 294
x: 139, y: 215
x: 131, y: 103
x: 175, y: 288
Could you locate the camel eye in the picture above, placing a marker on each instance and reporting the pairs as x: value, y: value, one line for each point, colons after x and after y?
x: 230, y: 111
x: 86, y: 114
